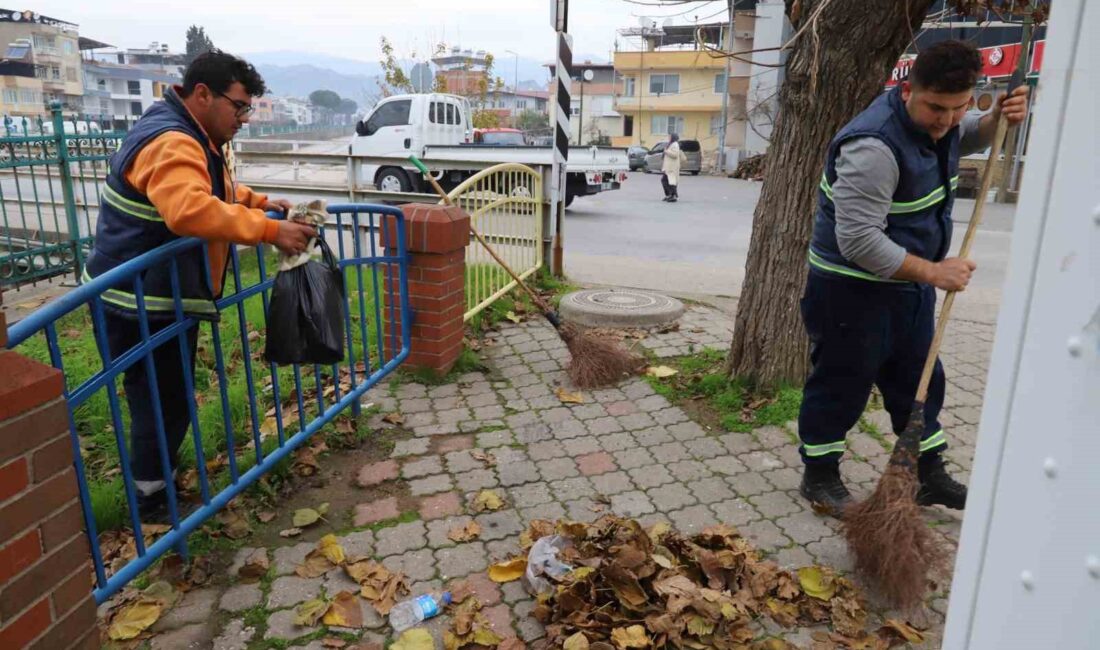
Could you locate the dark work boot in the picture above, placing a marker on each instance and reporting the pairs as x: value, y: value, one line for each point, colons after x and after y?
x: 936, y: 485
x: 822, y: 487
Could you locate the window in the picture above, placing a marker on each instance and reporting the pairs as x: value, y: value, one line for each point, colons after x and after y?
x: 70, y: 74
x: 719, y: 82
x: 67, y: 46
x: 17, y: 51
x: 104, y: 106
x: 715, y: 124
x: 394, y: 113
x: 664, y: 83
x: 135, y: 108
x: 134, y: 87
x: 628, y: 125
x: 45, y: 43
x: 11, y: 96
x: 29, y: 97
x: 101, y: 84
x: 575, y: 109
x: 666, y: 124
x: 55, y: 72
x: 435, y: 113
x: 628, y: 86
x: 451, y: 119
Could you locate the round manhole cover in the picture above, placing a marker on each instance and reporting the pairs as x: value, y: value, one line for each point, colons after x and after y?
x: 620, y: 308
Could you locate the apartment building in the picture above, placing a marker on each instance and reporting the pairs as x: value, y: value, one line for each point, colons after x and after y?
x: 592, y: 115
x: 116, y: 95
x: 48, y: 49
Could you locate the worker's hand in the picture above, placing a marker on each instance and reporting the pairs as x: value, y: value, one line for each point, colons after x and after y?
x: 279, y: 205
x: 952, y: 274
x: 1013, y: 106
x: 293, y: 237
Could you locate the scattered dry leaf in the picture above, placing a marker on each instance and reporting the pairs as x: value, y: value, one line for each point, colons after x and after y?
x: 630, y: 637
x: 470, y: 531
x: 576, y: 642
x: 484, y: 456
x: 344, y: 611
x: 333, y: 642
x: 134, y: 619
x: 509, y: 570
x: 305, y: 462
x: 567, y: 397
x: 255, y: 566
x: 290, y: 532
x: 487, y: 501
x: 234, y: 524
x: 269, y: 428
x: 513, y: 317
x: 304, y: 517
x: 308, y: 613
x: 900, y: 631
x: 394, y: 418
x: 817, y: 582
x: 265, y: 516
x: 661, y: 372
x: 415, y: 639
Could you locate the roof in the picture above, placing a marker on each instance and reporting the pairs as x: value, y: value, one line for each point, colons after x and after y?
x: 85, y: 43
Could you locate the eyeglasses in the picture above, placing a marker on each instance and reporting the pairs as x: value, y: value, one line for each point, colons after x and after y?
x: 244, y: 109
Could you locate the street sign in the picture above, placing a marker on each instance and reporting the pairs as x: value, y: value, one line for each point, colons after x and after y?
x: 559, y: 15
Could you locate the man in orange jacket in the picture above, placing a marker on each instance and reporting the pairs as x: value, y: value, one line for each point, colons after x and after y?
x: 169, y: 179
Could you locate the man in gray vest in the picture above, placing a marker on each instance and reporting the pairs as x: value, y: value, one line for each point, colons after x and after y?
x: 878, y: 252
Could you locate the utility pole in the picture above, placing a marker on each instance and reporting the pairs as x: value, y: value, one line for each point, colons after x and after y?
x: 580, y: 117
x: 721, y: 162
x: 1014, y: 132
x: 563, y: 71
x: 515, y: 91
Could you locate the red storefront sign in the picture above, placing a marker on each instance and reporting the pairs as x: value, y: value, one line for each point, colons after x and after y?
x: 999, y: 61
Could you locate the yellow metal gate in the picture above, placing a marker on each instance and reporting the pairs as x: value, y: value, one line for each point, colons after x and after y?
x: 505, y: 205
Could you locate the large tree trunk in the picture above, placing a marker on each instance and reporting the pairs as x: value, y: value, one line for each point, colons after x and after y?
x: 829, y: 79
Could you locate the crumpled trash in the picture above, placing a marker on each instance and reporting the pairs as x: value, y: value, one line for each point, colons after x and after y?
x: 542, y: 560
x: 305, y: 318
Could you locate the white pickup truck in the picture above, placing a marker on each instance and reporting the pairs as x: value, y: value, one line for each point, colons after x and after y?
x: 437, y: 126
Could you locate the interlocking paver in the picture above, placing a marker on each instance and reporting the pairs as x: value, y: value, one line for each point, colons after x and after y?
x: 705, y: 447
x: 545, y: 450
x: 581, y: 445
x: 417, y: 565
x: 422, y: 467
x: 462, y: 461
x: 411, y: 447
x: 498, y: 525
x: 693, y: 519
x: 534, y: 432
x: 603, y: 426
x: 532, y: 494
x: 517, y: 473
x: 671, y: 497
x: 636, y: 421
x: 804, y: 527
x: 631, y: 458
x: 567, y: 429
x: 670, y: 452
x: 240, y: 597
x: 490, y: 439
x: 291, y: 590
x: 765, y: 535
x: 761, y: 461
x: 748, y: 484
x: 631, y: 504
x: 461, y: 560
x: 401, y: 538
x: 775, y: 504
x: 686, y: 431
x: 609, y: 484
x: 551, y: 511
x: 735, y: 512
x: 440, y: 505
x: 567, y: 490
x: 430, y: 485
x: 618, y: 441
x: 286, y: 558
x: 668, y: 416
x: 478, y: 479
x: 649, y: 476
x: 688, y: 470
x: 439, y: 529
x: 376, y: 473
x: 710, y: 490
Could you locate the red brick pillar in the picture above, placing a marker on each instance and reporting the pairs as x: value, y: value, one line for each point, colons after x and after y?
x: 45, y: 570
x: 436, y: 237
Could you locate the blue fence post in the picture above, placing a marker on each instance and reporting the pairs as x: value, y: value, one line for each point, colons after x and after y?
x: 67, y: 188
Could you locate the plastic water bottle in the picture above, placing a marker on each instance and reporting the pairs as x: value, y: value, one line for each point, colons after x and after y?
x: 415, y: 610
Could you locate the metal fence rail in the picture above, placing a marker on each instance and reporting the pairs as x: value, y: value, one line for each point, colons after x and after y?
x: 505, y: 205
x: 50, y: 178
x: 239, y: 407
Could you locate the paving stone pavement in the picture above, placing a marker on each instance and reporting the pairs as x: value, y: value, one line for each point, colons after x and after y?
x: 625, y: 450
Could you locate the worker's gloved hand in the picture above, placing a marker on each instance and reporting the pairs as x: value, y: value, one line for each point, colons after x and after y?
x: 953, y: 273
x: 293, y: 237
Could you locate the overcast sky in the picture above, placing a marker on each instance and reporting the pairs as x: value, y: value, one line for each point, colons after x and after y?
x: 351, y: 28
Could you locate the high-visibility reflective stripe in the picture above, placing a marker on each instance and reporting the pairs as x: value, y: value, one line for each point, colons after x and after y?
x: 824, y: 450
x: 128, y: 300
x: 932, y: 198
x: 132, y: 208
x: 817, y: 261
x: 937, y: 439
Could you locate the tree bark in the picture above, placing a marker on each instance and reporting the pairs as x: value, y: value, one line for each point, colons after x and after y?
x: 837, y: 66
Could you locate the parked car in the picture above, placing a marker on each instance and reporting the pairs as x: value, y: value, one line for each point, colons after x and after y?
x: 636, y: 154
x: 693, y: 165
x: 500, y: 137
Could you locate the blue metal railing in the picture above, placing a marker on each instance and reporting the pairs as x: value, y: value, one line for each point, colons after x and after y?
x: 359, y: 230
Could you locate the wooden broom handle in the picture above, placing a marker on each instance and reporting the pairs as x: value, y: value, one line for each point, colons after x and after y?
x: 447, y: 200
x: 964, y: 252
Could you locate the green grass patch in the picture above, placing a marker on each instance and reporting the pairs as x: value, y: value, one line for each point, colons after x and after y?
x: 730, y: 403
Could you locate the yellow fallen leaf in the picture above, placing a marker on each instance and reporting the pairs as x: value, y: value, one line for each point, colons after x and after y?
x: 569, y: 398
x: 630, y: 637
x: 901, y: 629
x: 414, y: 639
x: 488, y: 500
x: 509, y: 570
x: 344, y: 611
x: 269, y: 428
x: 661, y: 372
x: 582, y: 572
x: 332, y: 549
x: 817, y: 583
x: 485, y: 637
x: 308, y: 613
x: 465, y: 533
x: 576, y: 642
x: 134, y: 620
x: 512, y: 317
x: 305, y: 517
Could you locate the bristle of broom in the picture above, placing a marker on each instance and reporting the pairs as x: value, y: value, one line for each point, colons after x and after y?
x: 597, y: 362
x: 893, y: 547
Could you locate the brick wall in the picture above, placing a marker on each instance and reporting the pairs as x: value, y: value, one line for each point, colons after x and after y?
x: 45, y: 570
x: 436, y: 237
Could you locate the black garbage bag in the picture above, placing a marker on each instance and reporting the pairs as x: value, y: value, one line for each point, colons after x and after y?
x: 305, y: 319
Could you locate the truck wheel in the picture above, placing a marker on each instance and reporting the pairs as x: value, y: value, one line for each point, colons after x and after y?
x: 392, y: 179
x: 694, y: 173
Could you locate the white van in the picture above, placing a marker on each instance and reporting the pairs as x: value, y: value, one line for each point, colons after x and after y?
x: 405, y: 124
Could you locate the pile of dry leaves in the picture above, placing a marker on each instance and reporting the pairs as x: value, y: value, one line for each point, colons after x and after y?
x: 633, y: 588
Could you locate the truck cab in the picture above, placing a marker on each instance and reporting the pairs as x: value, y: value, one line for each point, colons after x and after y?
x: 405, y: 124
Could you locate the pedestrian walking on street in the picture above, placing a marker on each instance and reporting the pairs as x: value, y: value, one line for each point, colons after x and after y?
x: 169, y: 179
x: 877, y: 254
x: 670, y: 168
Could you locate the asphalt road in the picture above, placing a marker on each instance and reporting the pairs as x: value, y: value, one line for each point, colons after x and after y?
x: 698, y: 246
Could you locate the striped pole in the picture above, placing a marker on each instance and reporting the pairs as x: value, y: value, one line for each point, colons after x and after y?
x: 564, y: 71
